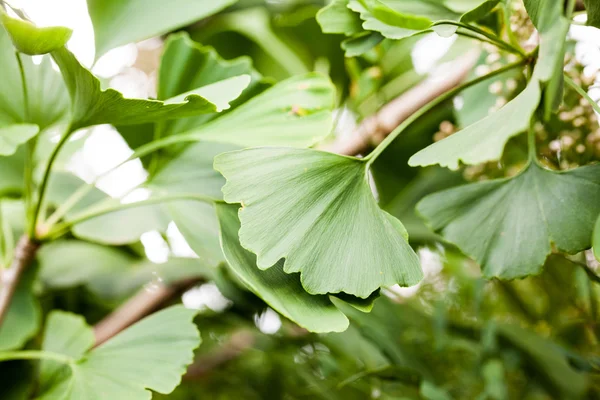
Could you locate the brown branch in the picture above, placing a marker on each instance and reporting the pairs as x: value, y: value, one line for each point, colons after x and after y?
x: 140, y: 305
x: 376, y: 127
x: 9, y: 278
x: 238, y: 343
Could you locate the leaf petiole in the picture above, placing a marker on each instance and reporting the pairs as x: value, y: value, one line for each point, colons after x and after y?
x: 35, y: 355
x: 582, y: 92
x: 434, y: 103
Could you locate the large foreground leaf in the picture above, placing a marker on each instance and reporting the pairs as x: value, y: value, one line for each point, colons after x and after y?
x: 316, y: 210
x: 118, y: 22
x: 283, y: 292
x: 31, y: 40
x: 485, y: 140
x: 509, y: 225
x: 152, y: 354
x: 90, y: 105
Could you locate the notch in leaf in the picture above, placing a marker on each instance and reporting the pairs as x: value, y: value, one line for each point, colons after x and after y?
x: 316, y: 210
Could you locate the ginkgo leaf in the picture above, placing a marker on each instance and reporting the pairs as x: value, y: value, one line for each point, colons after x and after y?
x: 48, y: 99
x: 150, y: 355
x: 31, y: 40
x: 12, y: 136
x: 593, y: 12
x: 316, y: 210
x: 596, y: 239
x: 118, y: 22
x: 283, y: 292
x: 485, y: 140
x: 336, y: 17
x: 90, y: 105
x: 510, y: 225
x: 295, y: 112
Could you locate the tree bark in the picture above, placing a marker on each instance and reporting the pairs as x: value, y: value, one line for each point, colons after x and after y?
x: 9, y: 279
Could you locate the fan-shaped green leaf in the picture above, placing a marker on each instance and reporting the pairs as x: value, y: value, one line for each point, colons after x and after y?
x: 31, y: 40
x: 509, y: 225
x: 12, y: 136
x: 91, y: 106
x: 118, y: 22
x: 596, y: 239
x: 316, y: 210
x: 281, y: 291
x: 152, y: 354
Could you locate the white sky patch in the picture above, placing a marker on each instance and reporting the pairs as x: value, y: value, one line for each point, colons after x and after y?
x: 268, y: 322
x: 206, y: 296
x: 157, y: 250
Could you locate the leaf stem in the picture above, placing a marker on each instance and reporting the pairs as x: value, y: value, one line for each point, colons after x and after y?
x: 35, y: 355
x: 46, y: 179
x: 432, y: 104
x: 582, y: 92
x: 501, y: 43
x: 101, y: 209
x: 531, y: 147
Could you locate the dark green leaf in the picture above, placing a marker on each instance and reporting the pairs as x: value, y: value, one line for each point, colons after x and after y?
x: 593, y: 12
x: 509, y: 225
x: 361, y: 43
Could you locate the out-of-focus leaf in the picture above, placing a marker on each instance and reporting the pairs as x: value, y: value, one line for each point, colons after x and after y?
x: 596, y: 239
x: 150, y: 355
x: 11, y: 174
x: 31, y: 40
x: 593, y: 12
x: 48, y: 99
x: 17, y: 380
x: 336, y: 17
x: 281, y: 291
x: 509, y: 225
x: 295, y: 112
x: 12, y: 136
x: 361, y: 43
x: 23, y: 318
x: 316, y: 210
x: 68, y: 263
x: 548, y: 360
x: 429, y: 391
x: 90, y: 105
x: 118, y: 22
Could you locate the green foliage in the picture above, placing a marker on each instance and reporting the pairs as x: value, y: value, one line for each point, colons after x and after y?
x: 245, y: 218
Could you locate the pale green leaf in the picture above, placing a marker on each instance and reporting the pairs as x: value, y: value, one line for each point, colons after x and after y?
x: 22, y: 320
x: 48, y: 100
x: 90, y: 105
x: 316, y: 210
x: 31, y: 40
x: 150, y: 355
x: 336, y: 17
x: 593, y: 12
x: 484, y: 140
x: 12, y: 136
x: 67, y: 263
x: 118, y: 22
x: 295, y: 112
x: 283, y: 292
x: 11, y: 174
x: 510, y: 225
